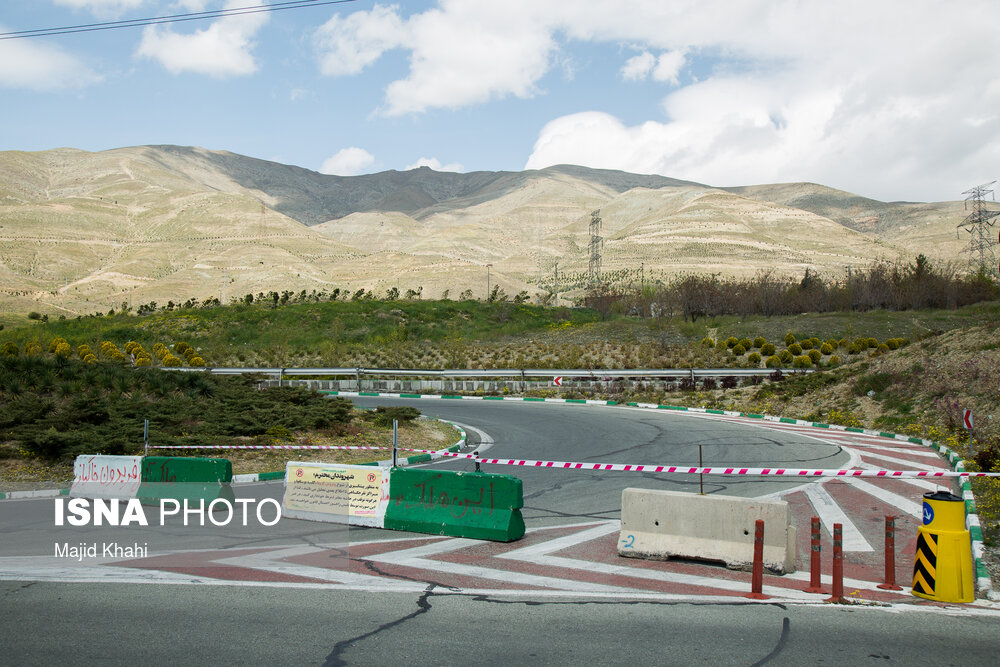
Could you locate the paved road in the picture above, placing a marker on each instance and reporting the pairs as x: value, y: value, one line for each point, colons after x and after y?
x: 307, y: 593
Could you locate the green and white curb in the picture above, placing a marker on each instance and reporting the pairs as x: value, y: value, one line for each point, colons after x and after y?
x: 983, y: 582
x: 22, y: 495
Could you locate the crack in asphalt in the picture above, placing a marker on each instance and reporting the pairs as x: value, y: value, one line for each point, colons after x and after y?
x: 782, y: 640
x: 629, y: 603
x: 423, y: 606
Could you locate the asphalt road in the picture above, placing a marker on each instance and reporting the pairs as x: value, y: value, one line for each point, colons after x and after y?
x: 115, y: 623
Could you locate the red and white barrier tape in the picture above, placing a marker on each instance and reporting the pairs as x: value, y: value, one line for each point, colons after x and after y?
x: 621, y: 467
x: 273, y: 447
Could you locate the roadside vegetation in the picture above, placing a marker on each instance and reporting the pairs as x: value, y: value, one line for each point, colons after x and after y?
x: 905, y: 362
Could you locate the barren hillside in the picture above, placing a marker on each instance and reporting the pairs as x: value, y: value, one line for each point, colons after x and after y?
x: 82, y: 232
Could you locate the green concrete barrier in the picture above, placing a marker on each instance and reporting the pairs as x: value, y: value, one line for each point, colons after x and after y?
x: 184, y: 478
x: 459, y: 504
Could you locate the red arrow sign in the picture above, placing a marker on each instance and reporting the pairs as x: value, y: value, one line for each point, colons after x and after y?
x: 968, y: 419
x: 557, y: 381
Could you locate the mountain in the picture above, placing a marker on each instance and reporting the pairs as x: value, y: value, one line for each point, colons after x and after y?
x: 82, y: 231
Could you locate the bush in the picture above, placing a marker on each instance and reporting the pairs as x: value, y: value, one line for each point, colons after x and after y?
x: 63, y: 350
x: 9, y: 349
x: 196, y: 361
x: 739, y: 350
x: 170, y: 361
x: 34, y: 315
x: 707, y: 342
x: 795, y: 349
x: 729, y: 382
x: 181, y: 347
x: 753, y: 359
x: 882, y: 349
x: 746, y: 343
x: 826, y: 348
x: 773, y: 362
x: 767, y: 349
x: 759, y: 342
x: 143, y: 362
x: 732, y: 342
x: 892, y: 344
x: 56, y: 342
x: 815, y: 355
x: 806, y: 344
x: 789, y: 339
x: 786, y: 356
x: 708, y: 384
x: 384, y: 414
x: 32, y: 348
x: 872, y: 342
x: 834, y: 360
x: 802, y: 361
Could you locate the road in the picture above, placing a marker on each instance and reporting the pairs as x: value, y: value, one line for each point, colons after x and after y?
x: 308, y: 593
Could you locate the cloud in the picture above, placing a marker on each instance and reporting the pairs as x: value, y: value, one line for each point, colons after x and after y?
x: 434, y: 164
x: 222, y: 50
x: 348, y: 162
x: 102, y: 8
x: 348, y: 45
x: 889, y: 99
x: 39, y: 65
x: 638, y: 67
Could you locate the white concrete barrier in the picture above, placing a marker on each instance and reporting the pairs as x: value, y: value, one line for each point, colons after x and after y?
x: 664, y: 524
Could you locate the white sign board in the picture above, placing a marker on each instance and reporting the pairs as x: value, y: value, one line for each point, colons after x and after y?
x: 101, y: 476
x: 351, y: 494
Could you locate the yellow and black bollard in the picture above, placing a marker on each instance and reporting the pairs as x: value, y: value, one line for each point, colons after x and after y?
x: 942, y: 569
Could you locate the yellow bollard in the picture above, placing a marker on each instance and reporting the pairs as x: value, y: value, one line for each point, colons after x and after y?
x: 942, y: 568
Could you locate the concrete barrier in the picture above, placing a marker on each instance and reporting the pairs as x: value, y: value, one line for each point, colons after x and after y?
x: 460, y: 504
x: 105, y: 476
x: 664, y: 524
x: 185, y: 478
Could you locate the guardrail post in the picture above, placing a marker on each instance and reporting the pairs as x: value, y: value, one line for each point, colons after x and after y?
x: 815, y: 564
x: 281, y: 372
x: 838, y: 564
x: 890, y: 556
x: 524, y: 384
x: 357, y: 376
x: 757, y: 578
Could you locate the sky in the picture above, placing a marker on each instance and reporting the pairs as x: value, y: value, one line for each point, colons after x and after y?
x: 894, y: 100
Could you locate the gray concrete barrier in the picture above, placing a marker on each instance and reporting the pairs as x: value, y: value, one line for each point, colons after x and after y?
x: 670, y: 524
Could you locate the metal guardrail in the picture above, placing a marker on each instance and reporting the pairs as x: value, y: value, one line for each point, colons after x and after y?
x: 596, y: 374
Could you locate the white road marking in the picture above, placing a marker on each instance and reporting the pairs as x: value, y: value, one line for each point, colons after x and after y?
x: 890, y: 498
x: 830, y: 513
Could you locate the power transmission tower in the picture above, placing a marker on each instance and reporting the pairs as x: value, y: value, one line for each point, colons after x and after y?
x: 596, y: 246
x: 979, y: 223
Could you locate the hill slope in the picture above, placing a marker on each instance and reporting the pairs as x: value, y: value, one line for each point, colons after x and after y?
x: 81, y: 232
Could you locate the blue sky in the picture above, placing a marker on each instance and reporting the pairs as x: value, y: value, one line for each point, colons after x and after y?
x: 893, y: 100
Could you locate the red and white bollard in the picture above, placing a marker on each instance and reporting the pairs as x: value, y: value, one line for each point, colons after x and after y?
x: 757, y: 578
x: 890, y: 556
x: 838, y: 564
x: 815, y: 563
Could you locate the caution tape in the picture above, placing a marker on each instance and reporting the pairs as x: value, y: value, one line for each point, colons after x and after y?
x: 275, y: 447
x: 715, y: 470
x: 624, y: 467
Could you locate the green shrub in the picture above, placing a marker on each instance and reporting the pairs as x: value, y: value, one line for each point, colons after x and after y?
x: 802, y: 361
x: 170, y: 361
x: 834, y: 361
x: 143, y: 362
x: 806, y: 344
x: 9, y: 349
x: 795, y: 349
x: 789, y: 338
x: 707, y: 342
x: 855, y: 348
x: 773, y: 362
x: 56, y: 342
x: 181, y: 347
x: 844, y: 343
x: 892, y: 344
x: 196, y: 361
x: 753, y: 359
x: 786, y: 356
x: 826, y: 349
x: 384, y: 414
x: 63, y: 350
x: 759, y: 342
x: 767, y: 349
x: 739, y: 350
x: 882, y: 349
x: 33, y: 315
x: 32, y: 348
x: 872, y: 342
x: 815, y: 355
x: 732, y: 342
x: 746, y: 343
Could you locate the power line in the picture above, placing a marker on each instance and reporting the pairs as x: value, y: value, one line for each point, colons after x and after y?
x: 175, y: 18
